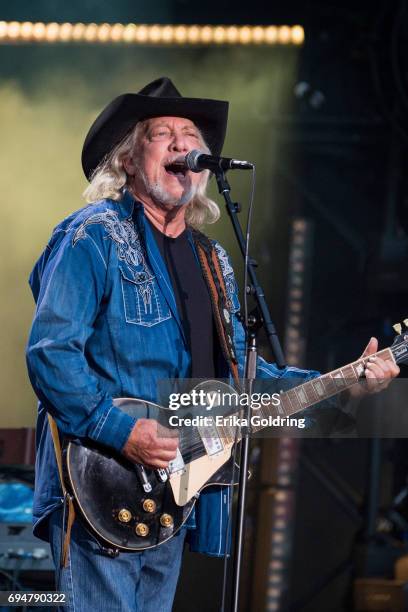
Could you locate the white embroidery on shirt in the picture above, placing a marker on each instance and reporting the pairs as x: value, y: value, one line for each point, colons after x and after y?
x: 123, y: 233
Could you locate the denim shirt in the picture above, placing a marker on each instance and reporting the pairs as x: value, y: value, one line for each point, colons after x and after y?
x: 106, y: 326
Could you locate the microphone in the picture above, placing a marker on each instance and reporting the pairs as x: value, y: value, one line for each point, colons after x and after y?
x: 197, y: 161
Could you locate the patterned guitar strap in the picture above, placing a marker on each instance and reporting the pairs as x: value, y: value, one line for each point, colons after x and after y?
x: 212, y: 272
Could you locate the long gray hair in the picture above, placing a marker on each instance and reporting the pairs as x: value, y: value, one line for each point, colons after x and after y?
x: 110, y: 179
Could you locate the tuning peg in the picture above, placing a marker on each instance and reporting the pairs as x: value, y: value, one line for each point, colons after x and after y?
x: 397, y: 327
x: 405, y: 321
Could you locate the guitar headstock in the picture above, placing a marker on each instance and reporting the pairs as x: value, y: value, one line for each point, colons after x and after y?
x: 399, y: 347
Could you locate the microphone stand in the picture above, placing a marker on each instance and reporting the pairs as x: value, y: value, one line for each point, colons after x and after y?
x: 254, y: 322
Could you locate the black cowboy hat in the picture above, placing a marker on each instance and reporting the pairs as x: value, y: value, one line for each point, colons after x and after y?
x: 159, y: 98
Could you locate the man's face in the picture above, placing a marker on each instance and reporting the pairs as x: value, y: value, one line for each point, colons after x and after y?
x: 164, y: 140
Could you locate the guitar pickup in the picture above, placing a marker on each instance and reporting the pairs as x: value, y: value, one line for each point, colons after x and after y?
x: 210, y: 438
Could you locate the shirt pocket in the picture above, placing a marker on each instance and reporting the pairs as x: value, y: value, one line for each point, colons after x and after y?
x: 143, y: 301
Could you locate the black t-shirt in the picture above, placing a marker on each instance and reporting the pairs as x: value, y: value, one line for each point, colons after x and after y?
x: 192, y: 299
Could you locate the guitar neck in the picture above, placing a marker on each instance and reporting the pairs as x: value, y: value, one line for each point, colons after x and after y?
x: 318, y: 389
x: 292, y: 401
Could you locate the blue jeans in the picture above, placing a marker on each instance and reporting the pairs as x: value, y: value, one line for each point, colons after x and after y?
x: 132, y: 582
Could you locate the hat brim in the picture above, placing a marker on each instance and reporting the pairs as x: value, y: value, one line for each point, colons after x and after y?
x: 122, y: 114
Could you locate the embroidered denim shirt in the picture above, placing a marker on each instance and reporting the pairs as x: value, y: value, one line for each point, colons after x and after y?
x: 106, y: 325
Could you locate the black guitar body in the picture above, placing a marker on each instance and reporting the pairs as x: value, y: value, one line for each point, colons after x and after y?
x: 109, y: 494
x: 104, y: 485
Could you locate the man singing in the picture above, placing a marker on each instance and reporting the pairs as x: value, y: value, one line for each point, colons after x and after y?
x: 122, y: 303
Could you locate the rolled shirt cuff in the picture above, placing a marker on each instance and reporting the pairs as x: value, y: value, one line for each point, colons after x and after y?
x: 113, y: 427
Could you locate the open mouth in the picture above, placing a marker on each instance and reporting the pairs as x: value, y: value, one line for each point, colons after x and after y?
x: 176, y: 169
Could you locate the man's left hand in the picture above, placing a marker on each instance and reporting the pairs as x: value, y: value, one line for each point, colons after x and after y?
x: 378, y: 372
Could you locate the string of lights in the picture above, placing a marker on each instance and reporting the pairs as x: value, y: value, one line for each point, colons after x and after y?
x: 141, y: 34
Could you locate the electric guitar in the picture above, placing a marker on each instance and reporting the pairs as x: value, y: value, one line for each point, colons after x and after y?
x: 130, y: 507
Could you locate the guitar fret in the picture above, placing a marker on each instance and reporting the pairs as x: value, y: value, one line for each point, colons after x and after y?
x: 358, y: 367
x: 294, y: 400
x: 301, y: 393
x: 318, y: 386
x: 260, y: 411
x: 318, y: 389
x: 310, y: 392
x: 338, y: 379
x: 285, y: 405
x: 349, y: 374
x: 329, y: 386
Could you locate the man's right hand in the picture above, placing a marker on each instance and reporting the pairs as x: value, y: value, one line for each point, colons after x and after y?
x: 151, y: 444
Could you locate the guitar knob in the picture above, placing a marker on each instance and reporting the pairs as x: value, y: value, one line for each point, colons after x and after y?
x: 124, y: 515
x: 149, y: 505
x: 142, y: 530
x: 166, y: 520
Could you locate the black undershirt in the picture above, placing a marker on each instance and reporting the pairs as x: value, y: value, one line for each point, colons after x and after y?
x: 192, y: 299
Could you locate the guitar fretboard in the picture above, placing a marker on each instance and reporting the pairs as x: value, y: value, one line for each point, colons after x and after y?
x: 309, y: 393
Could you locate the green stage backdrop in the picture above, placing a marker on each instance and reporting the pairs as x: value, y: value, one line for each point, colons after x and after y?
x: 49, y: 95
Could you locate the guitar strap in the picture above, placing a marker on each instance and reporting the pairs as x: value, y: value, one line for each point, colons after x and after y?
x: 67, y: 497
x: 212, y: 272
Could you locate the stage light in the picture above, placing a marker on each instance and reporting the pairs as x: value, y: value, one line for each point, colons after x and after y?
x: 168, y: 34
x: 150, y: 34
x: 52, y: 31
x: 116, y: 32
x: 245, y: 35
x: 103, y: 32
x: 193, y: 34
x: 280, y: 510
x: 141, y: 33
x: 294, y: 333
x: 281, y: 496
x: 284, y: 35
x: 91, y: 32
x: 66, y: 31
x: 13, y: 30
x: 155, y: 34
x: 78, y: 31
x: 273, y: 592
x: 219, y: 35
x: 295, y: 293
x: 26, y: 30
x: 271, y: 35
x: 129, y: 33
x: 298, y: 35
x: 232, y: 34
x: 276, y: 565
x: 180, y: 34
x: 206, y: 34
x: 258, y: 34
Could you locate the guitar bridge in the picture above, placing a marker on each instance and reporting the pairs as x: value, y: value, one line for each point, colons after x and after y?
x: 177, y: 465
x: 210, y: 438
